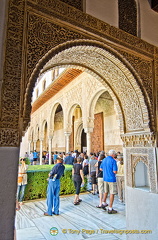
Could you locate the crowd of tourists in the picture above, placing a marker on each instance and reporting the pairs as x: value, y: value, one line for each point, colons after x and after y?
x: 104, y: 173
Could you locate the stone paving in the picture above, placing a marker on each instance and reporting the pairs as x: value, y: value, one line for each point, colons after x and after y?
x: 83, y: 221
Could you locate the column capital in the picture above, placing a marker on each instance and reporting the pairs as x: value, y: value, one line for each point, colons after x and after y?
x: 139, y: 140
x: 67, y: 133
x: 50, y: 137
x: 88, y: 129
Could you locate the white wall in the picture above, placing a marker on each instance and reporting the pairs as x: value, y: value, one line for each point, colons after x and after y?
x: 58, y: 141
x: 149, y: 23
x: 24, y: 147
x: 105, y: 10
x: 141, y: 213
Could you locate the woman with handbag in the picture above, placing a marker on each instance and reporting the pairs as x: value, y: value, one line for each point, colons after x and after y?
x: 22, y: 180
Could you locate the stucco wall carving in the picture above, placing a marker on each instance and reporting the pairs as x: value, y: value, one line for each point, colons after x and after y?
x: 30, y: 17
x: 81, y: 19
x: 128, y: 16
x: 75, y: 3
x: 145, y: 70
x: 9, y: 137
x: 139, y: 140
x: 146, y: 155
x: 10, y: 104
x: 112, y: 75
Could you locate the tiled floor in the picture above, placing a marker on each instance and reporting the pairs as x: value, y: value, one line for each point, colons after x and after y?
x: 84, y: 221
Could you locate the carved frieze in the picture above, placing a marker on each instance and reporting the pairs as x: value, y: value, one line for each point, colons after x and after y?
x: 34, y: 28
x: 9, y: 137
x: 156, y: 77
x: 12, y: 66
x: 139, y: 140
x: 144, y: 68
x: 75, y: 3
x: 88, y: 22
x: 43, y: 35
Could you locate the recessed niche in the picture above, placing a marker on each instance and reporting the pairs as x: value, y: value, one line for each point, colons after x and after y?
x: 141, y: 178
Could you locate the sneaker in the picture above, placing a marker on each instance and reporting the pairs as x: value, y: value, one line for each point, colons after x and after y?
x: 112, y: 211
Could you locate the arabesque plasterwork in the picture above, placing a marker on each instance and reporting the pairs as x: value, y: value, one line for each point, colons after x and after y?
x: 26, y: 45
x: 111, y: 75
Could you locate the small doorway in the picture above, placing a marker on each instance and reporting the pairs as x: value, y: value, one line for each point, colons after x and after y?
x: 83, y: 141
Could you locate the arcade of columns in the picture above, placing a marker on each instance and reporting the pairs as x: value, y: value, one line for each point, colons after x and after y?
x: 86, y: 98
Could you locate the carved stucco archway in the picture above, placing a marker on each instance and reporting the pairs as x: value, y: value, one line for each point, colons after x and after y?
x: 95, y: 98
x: 68, y: 116
x: 44, y: 122
x: 37, y: 132
x: 117, y: 75
x: 78, y: 135
x: 52, y: 116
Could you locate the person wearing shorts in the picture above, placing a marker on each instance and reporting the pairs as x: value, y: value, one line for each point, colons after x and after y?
x: 92, y: 173
x: 35, y: 156
x: 109, y: 168
x: 101, y: 190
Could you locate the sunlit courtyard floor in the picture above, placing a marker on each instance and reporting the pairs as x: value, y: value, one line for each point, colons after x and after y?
x: 83, y: 221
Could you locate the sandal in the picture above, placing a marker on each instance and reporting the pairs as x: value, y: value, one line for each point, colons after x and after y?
x: 98, y: 206
x: 104, y: 205
x: 80, y: 200
x: 76, y: 203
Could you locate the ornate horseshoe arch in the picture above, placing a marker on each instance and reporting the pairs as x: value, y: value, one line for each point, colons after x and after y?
x: 104, y: 63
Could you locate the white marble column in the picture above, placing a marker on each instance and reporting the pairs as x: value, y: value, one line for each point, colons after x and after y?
x: 88, y: 132
x: 67, y: 139
x: 88, y: 143
x: 34, y: 145
x: 29, y: 147
x: 50, y: 150
x: 41, y: 150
